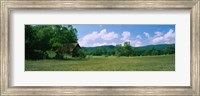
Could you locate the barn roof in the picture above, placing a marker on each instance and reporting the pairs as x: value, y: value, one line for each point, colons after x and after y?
x: 70, y: 47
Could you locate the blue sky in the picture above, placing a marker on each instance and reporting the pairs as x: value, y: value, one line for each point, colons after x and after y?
x: 112, y: 34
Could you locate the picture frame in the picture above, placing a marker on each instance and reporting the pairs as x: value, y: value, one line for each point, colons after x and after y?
x: 8, y: 5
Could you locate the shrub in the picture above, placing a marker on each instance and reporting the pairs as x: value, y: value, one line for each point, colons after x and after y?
x: 82, y: 53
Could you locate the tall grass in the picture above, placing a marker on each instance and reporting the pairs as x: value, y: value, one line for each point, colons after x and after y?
x: 103, y: 63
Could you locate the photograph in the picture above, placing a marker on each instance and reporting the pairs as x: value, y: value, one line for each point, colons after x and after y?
x: 100, y: 47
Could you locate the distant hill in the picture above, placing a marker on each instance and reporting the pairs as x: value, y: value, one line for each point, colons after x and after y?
x: 107, y: 47
x: 159, y: 46
x: 159, y: 49
x: 110, y: 47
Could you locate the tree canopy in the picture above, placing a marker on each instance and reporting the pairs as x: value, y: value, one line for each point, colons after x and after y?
x: 39, y: 39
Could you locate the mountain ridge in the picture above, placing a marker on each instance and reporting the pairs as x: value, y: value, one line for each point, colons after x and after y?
x: 133, y: 47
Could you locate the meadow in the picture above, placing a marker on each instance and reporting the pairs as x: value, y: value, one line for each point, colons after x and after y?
x: 103, y: 63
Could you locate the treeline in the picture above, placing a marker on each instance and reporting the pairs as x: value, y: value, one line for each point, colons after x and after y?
x: 127, y: 50
x: 42, y: 39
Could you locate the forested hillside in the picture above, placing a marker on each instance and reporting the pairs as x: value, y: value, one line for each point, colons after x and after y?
x: 161, y: 49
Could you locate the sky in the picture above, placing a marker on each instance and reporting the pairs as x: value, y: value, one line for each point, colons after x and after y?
x: 111, y: 34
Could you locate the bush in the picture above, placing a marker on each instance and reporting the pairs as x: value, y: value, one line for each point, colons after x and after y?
x: 82, y: 53
x: 34, y: 55
x: 106, y: 55
x: 89, y: 56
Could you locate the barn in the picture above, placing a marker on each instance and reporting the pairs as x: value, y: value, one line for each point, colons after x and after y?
x: 71, y: 48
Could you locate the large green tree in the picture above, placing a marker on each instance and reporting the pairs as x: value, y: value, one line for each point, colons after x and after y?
x: 44, y: 34
x: 125, y: 50
x: 119, y: 50
x: 30, y: 36
x: 128, y: 49
x: 43, y: 38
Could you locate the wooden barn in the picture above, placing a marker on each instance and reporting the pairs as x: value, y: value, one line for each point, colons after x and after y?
x: 71, y: 48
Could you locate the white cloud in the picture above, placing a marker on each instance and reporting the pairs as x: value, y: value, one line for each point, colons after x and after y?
x: 103, y: 34
x: 82, y: 42
x: 157, y: 39
x: 125, y: 36
x: 166, y: 38
x: 107, y: 35
x: 158, y: 34
x: 92, y: 36
x: 138, y: 37
x: 147, y: 35
x: 136, y: 43
x: 170, y: 34
x: 104, y: 43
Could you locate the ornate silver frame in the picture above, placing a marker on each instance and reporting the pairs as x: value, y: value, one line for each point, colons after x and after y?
x: 7, y: 5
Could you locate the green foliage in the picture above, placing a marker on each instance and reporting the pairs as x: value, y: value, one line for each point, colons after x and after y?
x: 119, y: 50
x: 169, y: 49
x: 82, y: 53
x: 48, y: 37
x: 51, y: 54
x: 62, y: 35
x: 98, y: 52
x: 128, y: 49
x: 31, y: 46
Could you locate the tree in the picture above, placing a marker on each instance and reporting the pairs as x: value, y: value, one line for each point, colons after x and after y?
x: 82, y: 53
x: 30, y: 36
x: 169, y: 49
x: 154, y: 51
x: 42, y: 38
x: 119, y: 50
x: 128, y: 49
x: 62, y: 35
x: 146, y: 52
x: 98, y: 51
x: 44, y: 34
x: 111, y: 52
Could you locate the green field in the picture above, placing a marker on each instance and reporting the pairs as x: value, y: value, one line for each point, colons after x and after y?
x: 102, y: 63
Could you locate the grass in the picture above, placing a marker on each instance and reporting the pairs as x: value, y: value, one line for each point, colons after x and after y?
x: 102, y: 63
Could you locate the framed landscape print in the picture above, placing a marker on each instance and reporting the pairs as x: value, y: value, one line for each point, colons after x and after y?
x: 100, y: 47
